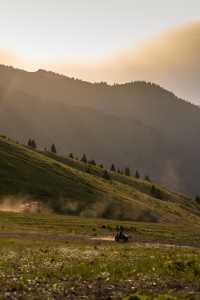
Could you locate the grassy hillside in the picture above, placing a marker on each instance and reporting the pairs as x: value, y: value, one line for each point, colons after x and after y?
x: 67, y: 186
x: 137, y: 124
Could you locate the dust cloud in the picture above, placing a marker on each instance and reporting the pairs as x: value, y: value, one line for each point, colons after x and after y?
x: 21, y: 204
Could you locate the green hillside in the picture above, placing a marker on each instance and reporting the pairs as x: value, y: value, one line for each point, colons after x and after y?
x: 138, y: 124
x: 71, y: 187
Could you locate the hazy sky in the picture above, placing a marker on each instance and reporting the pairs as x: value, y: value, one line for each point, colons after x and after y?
x: 86, y: 30
x: 106, y: 40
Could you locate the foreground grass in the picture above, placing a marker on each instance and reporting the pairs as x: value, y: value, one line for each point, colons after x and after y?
x: 85, y: 271
x: 53, y: 257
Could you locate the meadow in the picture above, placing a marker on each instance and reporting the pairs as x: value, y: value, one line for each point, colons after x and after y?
x: 58, y: 241
x: 46, y: 256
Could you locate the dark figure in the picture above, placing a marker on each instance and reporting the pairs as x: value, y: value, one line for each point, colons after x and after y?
x: 121, y: 236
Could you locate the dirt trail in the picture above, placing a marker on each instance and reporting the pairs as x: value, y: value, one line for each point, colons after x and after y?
x: 146, y: 244
x: 90, y: 239
x: 103, y: 238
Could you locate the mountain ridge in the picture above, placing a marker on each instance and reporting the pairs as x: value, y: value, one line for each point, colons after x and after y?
x: 137, y: 124
x: 131, y: 84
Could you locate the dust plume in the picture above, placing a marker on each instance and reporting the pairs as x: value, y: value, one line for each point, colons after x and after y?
x: 170, y: 175
x: 21, y: 204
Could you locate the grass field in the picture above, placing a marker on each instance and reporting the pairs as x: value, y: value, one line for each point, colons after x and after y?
x: 54, y: 257
x: 62, y: 256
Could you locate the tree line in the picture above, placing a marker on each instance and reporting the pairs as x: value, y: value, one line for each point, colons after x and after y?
x: 32, y: 144
x: 107, y: 173
x: 127, y: 172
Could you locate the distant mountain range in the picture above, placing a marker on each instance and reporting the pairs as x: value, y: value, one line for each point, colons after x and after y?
x: 136, y: 124
x: 170, y: 59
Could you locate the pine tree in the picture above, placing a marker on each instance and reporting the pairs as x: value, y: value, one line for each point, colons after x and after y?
x: 92, y: 162
x: 127, y: 172
x: 88, y: 170
x: 71, y: 155
x: 29, y: 143
x: 53, y: 148
x: 156, y: 192
x: 113, y: 169
x: 153, y: 190
x: 137, y: 175
x: 106, y: 175
x: 84, y: 158
x: 197, y: 199
x: 147, y: 178
x: 33, y: 144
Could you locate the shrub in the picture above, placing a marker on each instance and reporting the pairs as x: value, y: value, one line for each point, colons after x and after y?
x: 84, y: 158
x: 197, y: 199
x: 106, y: 175
x: 71, y: 156
x: 156, y: 192
x: 147, y: 178
x: 92, y: 162
x: 137, y: 175
x: 127, y: 172
x: 113, y: 169
x: 53, y: 148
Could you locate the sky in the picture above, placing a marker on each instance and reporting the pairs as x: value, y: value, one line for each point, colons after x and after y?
x: 106, y: 40
x: 85, y: 30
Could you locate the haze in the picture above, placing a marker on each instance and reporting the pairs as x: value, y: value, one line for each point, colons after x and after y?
x: 114, y: 41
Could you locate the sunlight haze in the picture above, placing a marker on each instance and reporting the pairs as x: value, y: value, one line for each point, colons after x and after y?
x: 80, y: 38
x: 80, y: 29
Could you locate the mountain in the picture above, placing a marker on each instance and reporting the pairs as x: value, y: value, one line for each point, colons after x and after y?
x: 68, y: 186
x: 137, y: 124
x: 170, y: 59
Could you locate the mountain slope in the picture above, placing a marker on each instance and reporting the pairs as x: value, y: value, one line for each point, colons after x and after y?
x: 170, y: 59
x: 136, y: 124
x: 64, y: 185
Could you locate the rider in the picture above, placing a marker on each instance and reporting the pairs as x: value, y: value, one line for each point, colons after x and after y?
x: 121, y: 232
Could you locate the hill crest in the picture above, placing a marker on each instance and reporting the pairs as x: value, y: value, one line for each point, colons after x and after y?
x: 138, y: 124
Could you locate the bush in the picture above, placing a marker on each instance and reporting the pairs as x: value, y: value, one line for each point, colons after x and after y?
x: 127, y: 172
x: 156, y: 192
x: 147, y: 178
x: 197, y: 199
x: 53, y: 148
x: 92, y: 162
x: 84, y: 158
x: 106, y: 175
x: 137, y: 175
x: 71, y: 156
x: 112, y: 168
